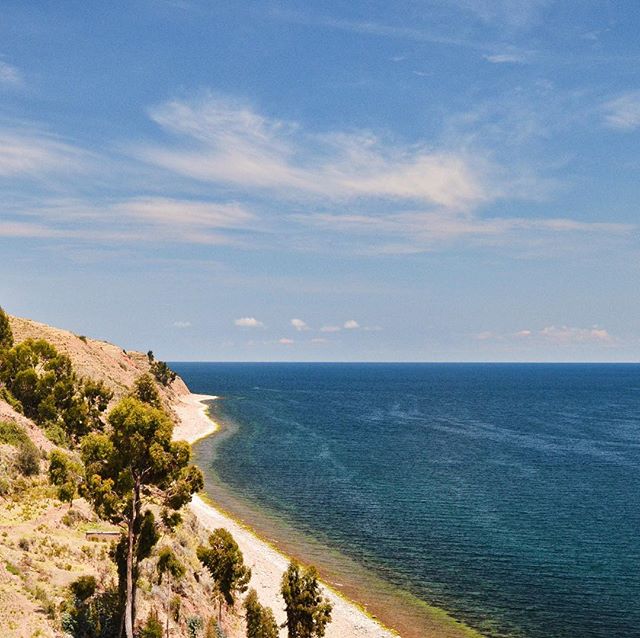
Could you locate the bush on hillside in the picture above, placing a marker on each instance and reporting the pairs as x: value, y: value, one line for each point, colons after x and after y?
x: 65, y: 474
x: 6, y: 396
x: 163, y: 373
x: 88, y: 613
x: 153, y: 627
x: 145, y: 390
x: 28, y: 459
x: 12, y: 433
x: 6, y: 335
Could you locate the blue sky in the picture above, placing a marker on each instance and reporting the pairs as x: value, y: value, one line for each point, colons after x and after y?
x: 424, y: 180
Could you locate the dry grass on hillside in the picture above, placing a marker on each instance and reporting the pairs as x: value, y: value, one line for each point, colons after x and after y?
x: 98, y: 360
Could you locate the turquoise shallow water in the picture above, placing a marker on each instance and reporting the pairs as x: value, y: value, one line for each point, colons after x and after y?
x: 507, y: 494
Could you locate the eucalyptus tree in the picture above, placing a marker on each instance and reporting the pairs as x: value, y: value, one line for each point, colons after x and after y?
x: 133, y: 463
x: 308, y: 611
x: 225, y: 563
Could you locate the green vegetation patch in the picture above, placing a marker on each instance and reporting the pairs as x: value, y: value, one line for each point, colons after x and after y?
x: 13, y: 434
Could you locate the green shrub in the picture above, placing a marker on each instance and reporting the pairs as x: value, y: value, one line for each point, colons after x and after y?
x: 64, y: 472
x: 153, y: 627
x: 6, y: 396
x: 56, y: 434
x: 12, y: 433
x: 194, y: 626
x: 145, y: 390
x: 6, y: 336
x: 174, y: 608
x: 84, y: 587
x: 28, y: 459
x: 48, y: 606
x: 96, y: 616
x: 73, y: 517
x: 169, y: 564
x: 12, y: 569
x: 162, y: 372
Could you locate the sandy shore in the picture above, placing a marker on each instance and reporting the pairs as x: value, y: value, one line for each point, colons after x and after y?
x: 267, y: 564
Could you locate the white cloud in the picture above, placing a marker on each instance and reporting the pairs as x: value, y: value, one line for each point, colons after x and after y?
x: 330, y: 329
x: 558, y: 335
x: 299, y: 325
x: 351, y: 324
x: 623, y: 112
x: 142, y: 219
x: 9, y: 74
x: 319, y: 340
x: 505, y: 58
x: 181, y: 213
x: 182, y: 324
x: 566, y: 334
x: 285, y: 342
x: 409, y: 232
x: 512, y: 14
x: 224, y: 141
x: 248, y: 322
x: 35, y: 154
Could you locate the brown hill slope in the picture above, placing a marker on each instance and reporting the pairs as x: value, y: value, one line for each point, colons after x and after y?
x: 44, y: 544
x: 98, y: 360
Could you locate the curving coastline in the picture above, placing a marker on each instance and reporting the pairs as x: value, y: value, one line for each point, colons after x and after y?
x: 267, y: 564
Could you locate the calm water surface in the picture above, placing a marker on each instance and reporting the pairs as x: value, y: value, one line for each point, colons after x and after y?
x: 506, y: 494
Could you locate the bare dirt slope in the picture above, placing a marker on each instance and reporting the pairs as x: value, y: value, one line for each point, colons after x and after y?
x: 95, y: 359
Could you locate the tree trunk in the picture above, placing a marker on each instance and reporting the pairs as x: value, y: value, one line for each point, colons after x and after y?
x: 128, y: 610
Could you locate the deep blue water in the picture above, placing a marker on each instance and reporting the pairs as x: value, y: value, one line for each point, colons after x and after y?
x: 507, y: 494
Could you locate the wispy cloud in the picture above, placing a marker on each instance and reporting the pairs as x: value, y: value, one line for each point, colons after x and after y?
x: 330, y: 329
x: 351, y: 324
x: 558, y: 335
x: 248, y: 322
x: 225, y: 142
x: 623, y: 112
x: 36, y: 154
x: 182, y: 324
x: 506, y: 58
x: 141, y: 219
x: 423, y: 231
x: 372, y: 28
x: 9, y: 75
x: 567, y: 334
x: 513, y: 14
x: 286, y: 341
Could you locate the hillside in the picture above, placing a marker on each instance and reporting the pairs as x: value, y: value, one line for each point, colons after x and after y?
x: 44, y: 544
x: 98, y: 360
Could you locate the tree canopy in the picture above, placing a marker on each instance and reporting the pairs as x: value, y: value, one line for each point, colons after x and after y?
x: 260, y: 620
x: 308, y: 611
x: 132, y: 462
x: 225, y: 563
x: 46, y: 388
x: 65, y: 474
x: 145, y: 390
